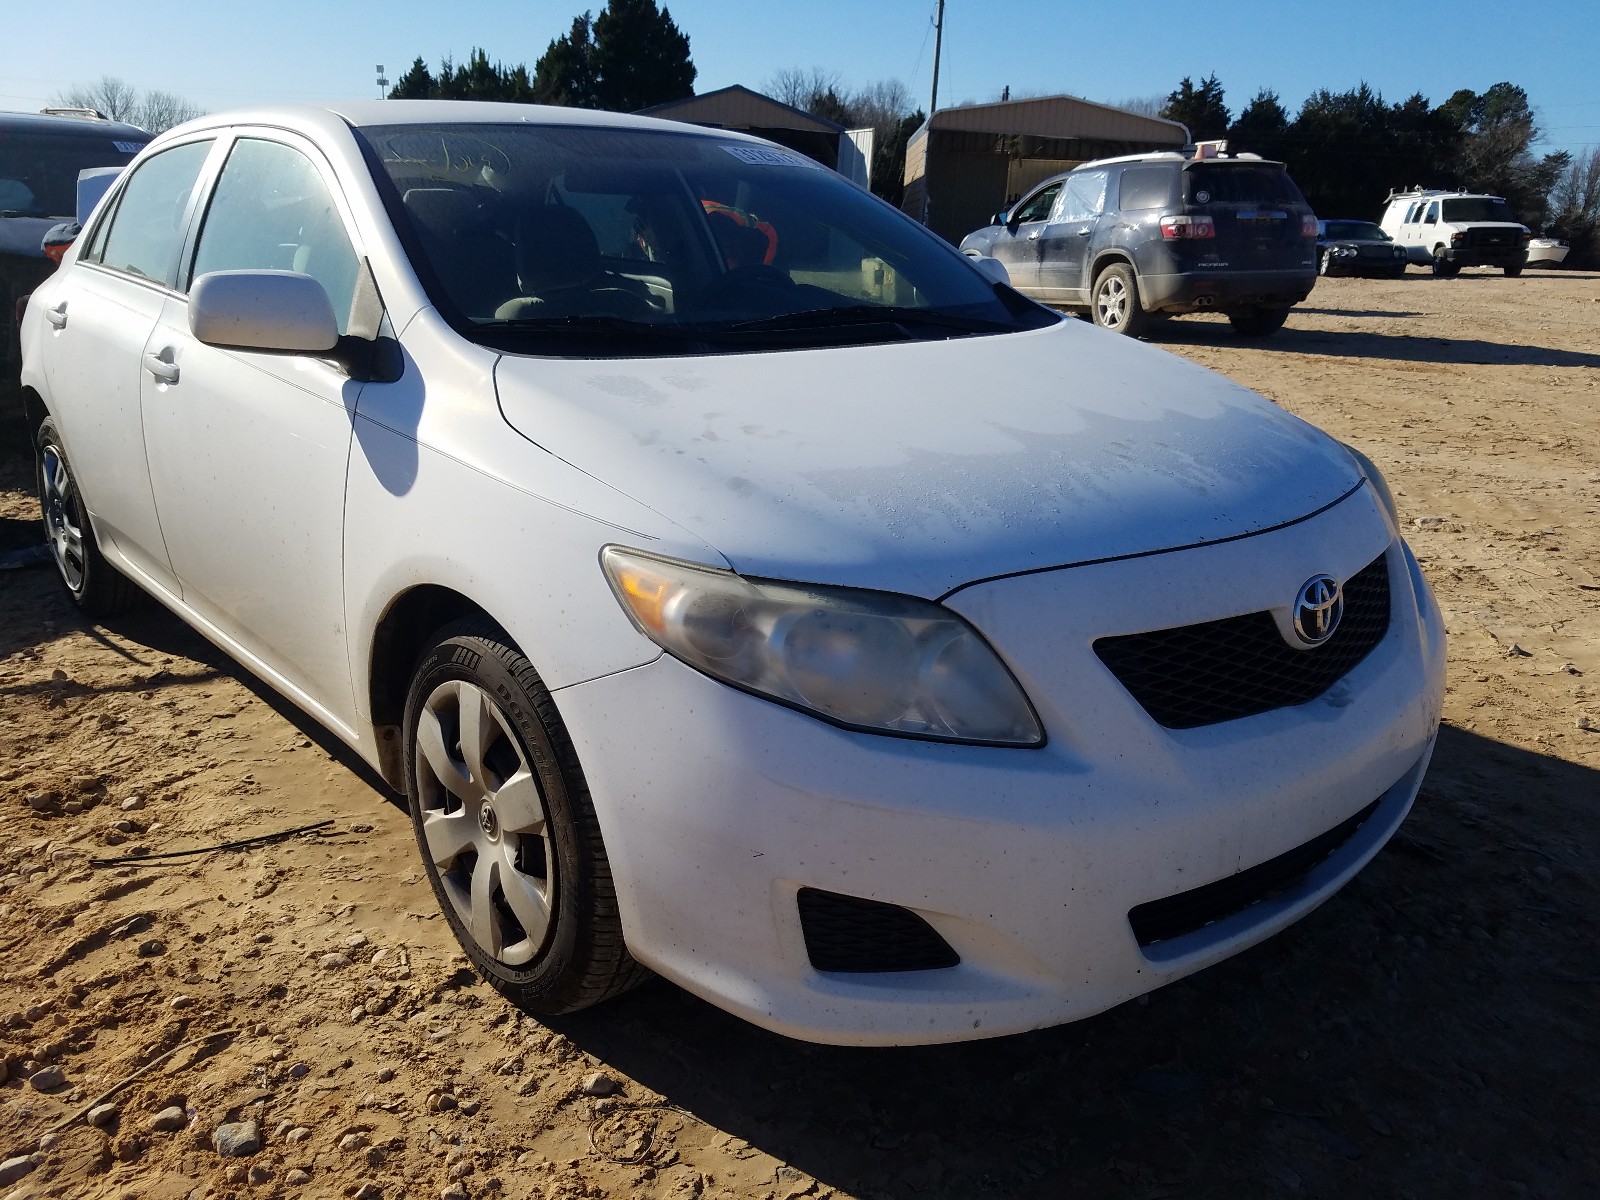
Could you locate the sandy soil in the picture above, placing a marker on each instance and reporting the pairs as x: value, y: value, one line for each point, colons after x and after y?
x: 1430, y: 1032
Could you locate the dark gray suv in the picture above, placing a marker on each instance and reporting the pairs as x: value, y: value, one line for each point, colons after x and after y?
x: 1128, y: 238
x: 40, y: 157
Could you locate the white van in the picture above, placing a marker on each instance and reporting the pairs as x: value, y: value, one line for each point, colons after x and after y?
x: 1451, y: 230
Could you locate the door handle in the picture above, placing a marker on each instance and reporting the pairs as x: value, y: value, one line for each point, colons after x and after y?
x: 57, y: 316
x: 162, y: 369
x: 1085, y: 232
x: 1034, y: 236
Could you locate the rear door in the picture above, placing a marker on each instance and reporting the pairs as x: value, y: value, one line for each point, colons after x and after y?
x: 101, y: 315
x: 1064, y: 244
x: 1257, y: 210
x: 1017, y: 242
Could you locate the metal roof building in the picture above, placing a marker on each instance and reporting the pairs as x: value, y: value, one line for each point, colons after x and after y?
x: 965, y: 163
x: 739, y: 108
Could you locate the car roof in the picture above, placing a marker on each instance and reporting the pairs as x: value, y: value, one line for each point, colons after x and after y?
x: 75, y: 126
x: 324, y: 118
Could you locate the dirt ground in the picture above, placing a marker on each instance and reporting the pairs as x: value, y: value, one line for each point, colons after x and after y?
x: 1430, y: 1032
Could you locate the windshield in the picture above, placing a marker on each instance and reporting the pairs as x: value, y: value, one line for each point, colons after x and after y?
x: 39, y: 171
x: 1478, y: 208
x: 1356, y: 231
x: 1254, y: 183
x: 596, y: 242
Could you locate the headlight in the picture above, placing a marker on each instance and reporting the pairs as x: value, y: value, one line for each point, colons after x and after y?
x: 1375, y: 478
x: 868, y: 660
x: 1344, y: 251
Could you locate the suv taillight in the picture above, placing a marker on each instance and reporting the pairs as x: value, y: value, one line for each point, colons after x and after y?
x: 1173, y: 228
x: 1308, y: 225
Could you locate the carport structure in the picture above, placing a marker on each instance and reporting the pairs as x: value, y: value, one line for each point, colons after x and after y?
x: 965, y: 163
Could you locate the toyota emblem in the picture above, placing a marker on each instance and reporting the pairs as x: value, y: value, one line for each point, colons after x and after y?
x: 1317, y: 609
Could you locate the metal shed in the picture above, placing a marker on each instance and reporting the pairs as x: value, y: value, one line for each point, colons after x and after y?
x: 965, y: 163
x: 746, y: 111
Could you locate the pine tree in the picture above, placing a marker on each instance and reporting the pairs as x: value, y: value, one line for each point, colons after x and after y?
x: 564, y: 74
x: 415, y: 84
x: 640, y: 57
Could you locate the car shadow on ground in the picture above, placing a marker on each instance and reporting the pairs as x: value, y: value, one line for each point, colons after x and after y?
x: 1399, y: 347
x: 146, y: 636
x: 1416, y: 1036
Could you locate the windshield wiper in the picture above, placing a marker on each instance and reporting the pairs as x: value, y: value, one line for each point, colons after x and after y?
x: 591, y: 325
x: 870, y: 314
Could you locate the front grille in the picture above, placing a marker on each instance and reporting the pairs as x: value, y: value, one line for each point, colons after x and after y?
x: 1188, y: 911
x: 847, y: 933
x: 1197, y: 675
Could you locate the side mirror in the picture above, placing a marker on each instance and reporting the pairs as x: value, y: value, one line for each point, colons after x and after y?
x: 284, y: 312
x: 993, y: 270
x: 999, y: 218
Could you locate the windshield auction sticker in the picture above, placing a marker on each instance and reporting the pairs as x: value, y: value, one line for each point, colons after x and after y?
x: 765, y: 156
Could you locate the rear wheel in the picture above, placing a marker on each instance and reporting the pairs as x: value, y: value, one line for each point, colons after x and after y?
x: 1258, y: 322
x: 507, y: 831
x: 97, y: 587
x: 1114, y: 302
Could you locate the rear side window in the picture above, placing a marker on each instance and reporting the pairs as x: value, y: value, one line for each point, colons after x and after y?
x: 1084, y: 196
x: 271, y: 211
x: 145, y: 232
x: 1147, y: 187
x: 1215, y: 183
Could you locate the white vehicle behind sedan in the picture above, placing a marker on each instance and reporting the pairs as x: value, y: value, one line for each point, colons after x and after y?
x: 738, y: 583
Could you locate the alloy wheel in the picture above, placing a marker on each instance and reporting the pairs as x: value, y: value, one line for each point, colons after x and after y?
x: 1111, y: 299
x: 63, y: 518
x: 484, y: 822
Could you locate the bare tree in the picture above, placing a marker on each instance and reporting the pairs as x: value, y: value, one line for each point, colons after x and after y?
x: 109, y: 96
x: 154, y: 111
x: 159, y: 111
x: 795, y: 86
x: 1145, y: 106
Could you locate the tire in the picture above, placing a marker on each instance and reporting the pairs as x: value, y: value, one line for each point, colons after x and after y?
x: 1258, y: 322
x: 1444, y: 268
x: 96, y: 587
x: 1513, y: 272
x: 506, y: 829
x: 1114, y: 302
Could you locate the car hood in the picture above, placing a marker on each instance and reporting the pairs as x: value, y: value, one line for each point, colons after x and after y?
x: 918, y: 467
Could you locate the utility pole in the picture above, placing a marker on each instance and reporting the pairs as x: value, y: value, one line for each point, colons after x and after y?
x: 933, y: 103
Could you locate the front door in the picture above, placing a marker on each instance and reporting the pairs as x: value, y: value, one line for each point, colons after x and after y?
x: 248, y: 450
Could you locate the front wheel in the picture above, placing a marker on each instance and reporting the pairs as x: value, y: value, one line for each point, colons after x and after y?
x: 1258, y: 322
x: 506, y: 828
x: 97, y: 587
x: 1444, y: 268
x: 1513, y: 272
x: 1114, y: 302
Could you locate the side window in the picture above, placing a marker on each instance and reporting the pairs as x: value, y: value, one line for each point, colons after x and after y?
x: 1146, y: 187
x: 271, y: 211
x: 1038, y: 206
x: 1084, y: 196
x: 1433, y: 214
x: 1413, y: 213
x: 145, y: 233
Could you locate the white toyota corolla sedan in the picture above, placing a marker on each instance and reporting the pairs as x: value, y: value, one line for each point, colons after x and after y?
x: 739, y: 583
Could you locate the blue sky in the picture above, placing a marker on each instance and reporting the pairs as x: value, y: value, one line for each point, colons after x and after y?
x: 220, y: 53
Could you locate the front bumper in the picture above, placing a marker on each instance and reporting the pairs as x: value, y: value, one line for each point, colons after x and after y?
x: 1198, y: 290
x: 718, y: 807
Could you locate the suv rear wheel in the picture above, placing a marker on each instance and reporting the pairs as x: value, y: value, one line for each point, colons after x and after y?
x: 1114, y: 301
